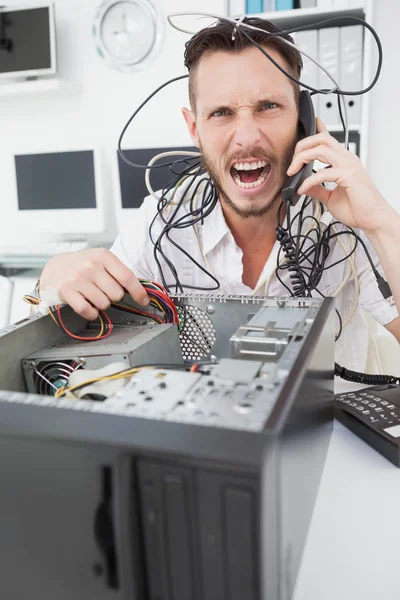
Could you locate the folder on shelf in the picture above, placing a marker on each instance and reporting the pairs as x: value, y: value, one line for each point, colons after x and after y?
x: 308, y: 3
x: 237, y: 8
x: 254, y: 6
x: 307, y: 41
x: 269, y: 6
x: 328, y: 57
x: 351, y: 63
x: 284, y: 4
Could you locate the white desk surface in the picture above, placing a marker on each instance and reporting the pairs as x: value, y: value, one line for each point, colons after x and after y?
x: 352, y: 550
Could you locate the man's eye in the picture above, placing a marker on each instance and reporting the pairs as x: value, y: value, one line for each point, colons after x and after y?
x: 267, y: 105
x: 221, y: 112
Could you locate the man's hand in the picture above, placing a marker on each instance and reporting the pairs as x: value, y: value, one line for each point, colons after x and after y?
x: 90, y: 280
x: 355, y: 201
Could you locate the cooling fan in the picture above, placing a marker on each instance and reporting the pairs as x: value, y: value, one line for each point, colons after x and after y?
x: 49, y: 369
x: 50, y: 376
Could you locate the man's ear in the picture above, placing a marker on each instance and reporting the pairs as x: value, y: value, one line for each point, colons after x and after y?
x: 191, y: 124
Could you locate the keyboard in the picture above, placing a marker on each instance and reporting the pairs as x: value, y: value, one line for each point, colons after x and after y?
x: 373, y: 414
x: 46, y: 249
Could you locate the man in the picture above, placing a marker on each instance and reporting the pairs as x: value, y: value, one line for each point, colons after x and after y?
x: 244, y: 117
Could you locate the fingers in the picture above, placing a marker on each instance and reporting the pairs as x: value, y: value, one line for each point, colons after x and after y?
x: 125, y: 278
x: 89, y: 281
x: 320, y: 125
x: 323, y: 176
x: 80, y: 305
x: 325, y: 154
x: 94, y: 295
x: 321, y: 138
x: 112, y: 289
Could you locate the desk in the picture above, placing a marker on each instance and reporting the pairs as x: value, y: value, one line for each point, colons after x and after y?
x: 352, y: 551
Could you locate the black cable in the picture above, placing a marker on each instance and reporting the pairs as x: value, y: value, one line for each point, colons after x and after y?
x: 121, y: 152
x: 305, y: 256
x: 319, y: 24
x: 365, y: 378
x: 341, y: 119
x: 189, y: 219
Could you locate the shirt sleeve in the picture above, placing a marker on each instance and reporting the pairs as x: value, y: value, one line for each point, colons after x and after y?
x: 370, y: 298
x: 133, y: 245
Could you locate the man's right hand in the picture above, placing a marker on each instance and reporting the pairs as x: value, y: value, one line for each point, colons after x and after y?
x: 89, y: 280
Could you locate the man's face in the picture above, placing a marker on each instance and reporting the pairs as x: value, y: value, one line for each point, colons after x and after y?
x: 245, y: 123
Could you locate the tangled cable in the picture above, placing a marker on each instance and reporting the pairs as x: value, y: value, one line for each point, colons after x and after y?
x: 159, y: 299
x: 167, y: 210
x: 365, y: 378
x: 55, y: 313
x: 305, y: 250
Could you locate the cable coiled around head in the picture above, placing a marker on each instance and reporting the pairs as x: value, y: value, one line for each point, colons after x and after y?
x: 298, y: 282
x: 365, y: 378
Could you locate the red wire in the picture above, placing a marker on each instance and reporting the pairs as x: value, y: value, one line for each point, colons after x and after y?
x: 163, y: 297
x: 142, y: 313
x: 81, y: 338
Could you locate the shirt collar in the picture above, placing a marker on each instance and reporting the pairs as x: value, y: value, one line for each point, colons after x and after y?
x: 214, y: 229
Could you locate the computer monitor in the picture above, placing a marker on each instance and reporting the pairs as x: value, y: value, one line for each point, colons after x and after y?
x: 56, y: 193
x: 130, y: 181
x: 27, y: 41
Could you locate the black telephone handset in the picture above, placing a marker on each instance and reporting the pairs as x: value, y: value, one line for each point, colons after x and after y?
x: 307, y: 127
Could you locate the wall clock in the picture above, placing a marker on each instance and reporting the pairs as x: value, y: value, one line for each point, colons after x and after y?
x: 128, y: 33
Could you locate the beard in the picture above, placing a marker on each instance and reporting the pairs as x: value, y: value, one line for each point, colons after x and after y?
x: 257, y: 152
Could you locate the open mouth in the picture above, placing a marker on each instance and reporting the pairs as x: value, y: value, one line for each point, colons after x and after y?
x: 249, y: 175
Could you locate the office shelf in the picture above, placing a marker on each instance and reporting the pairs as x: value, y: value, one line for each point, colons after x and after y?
x: 310, y: 16
x: 38, y: 86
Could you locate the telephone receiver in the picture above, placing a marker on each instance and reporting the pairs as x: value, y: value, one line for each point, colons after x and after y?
x: 307, y: 127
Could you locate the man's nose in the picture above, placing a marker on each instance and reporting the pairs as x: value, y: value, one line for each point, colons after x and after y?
x: 247, y: 133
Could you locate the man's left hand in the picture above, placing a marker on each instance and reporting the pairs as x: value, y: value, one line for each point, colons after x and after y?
x: 355, y: 201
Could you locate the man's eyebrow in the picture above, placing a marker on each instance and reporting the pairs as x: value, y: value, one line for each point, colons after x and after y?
x: 277, y: 98
x: 273, y: 98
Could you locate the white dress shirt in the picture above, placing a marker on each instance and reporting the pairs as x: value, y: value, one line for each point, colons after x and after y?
x: 212, y: 245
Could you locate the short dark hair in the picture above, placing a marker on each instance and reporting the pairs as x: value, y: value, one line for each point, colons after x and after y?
x: 219, y: 37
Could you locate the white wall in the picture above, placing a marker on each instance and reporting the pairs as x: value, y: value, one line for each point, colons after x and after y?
x: 384, y: 122
x: 97, y: 114
x: 107, y: 98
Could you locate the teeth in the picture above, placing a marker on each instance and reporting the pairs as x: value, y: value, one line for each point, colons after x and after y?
x: 248, y: 166
x: 248, y: 186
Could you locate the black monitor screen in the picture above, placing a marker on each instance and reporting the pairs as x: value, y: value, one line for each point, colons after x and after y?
x: 60, y: 180
x: 25, y: 40
x: 132, y: 183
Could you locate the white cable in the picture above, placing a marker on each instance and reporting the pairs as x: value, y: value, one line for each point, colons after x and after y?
x: 158, y: 157
x: 355, y: 277
x: 238, y: 25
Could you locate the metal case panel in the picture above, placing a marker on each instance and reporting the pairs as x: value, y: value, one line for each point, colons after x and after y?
x: 48, y: 501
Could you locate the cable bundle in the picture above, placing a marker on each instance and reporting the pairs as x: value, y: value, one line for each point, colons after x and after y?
x: 167, y: 211
x: 159, y: 299
x: 365, y: 378
x: 304, y: 251
x: 106, y: 326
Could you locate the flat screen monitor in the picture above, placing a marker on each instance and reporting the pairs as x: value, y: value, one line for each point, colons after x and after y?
x: 27, y: 41
x: 58, y: 192
x: 131, y: 186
